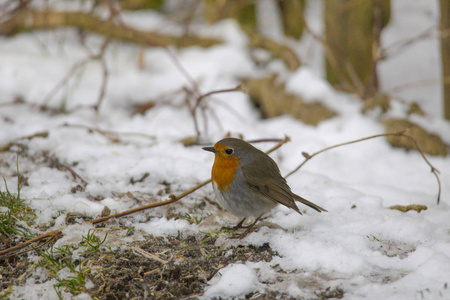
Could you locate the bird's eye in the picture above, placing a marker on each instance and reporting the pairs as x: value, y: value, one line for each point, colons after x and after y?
x: 229, y: 151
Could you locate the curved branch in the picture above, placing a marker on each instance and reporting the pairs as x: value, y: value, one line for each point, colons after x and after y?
x: 51, y: 234
x: 27, y: 20
x: 399, y: 134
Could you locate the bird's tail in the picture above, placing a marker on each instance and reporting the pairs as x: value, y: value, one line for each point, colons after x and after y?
x: 309, y: 203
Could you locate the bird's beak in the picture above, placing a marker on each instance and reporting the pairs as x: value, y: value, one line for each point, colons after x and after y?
x: 211, y: 149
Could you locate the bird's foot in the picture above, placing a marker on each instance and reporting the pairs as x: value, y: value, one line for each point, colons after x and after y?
x: 248, y: 229
x: 236, y: 227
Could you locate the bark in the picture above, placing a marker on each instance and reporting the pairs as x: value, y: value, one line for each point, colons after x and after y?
x: 445, y: 54
x: 292, y: 12
x: 352, y: 29
x: 241, y: 10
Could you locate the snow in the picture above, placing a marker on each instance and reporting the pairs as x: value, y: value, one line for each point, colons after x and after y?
x: 233, y: 280
x: 359, y: 245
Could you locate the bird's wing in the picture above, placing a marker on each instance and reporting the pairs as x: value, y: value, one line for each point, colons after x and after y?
x: 269, y: 182
x: 271, y: 185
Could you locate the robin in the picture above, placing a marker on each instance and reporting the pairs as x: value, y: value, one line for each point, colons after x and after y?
x: 248, y: 183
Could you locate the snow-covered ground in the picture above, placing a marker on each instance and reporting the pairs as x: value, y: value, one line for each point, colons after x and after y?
x: 360, y: 246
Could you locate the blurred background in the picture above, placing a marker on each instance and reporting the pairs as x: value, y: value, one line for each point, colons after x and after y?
x: 393, y: 55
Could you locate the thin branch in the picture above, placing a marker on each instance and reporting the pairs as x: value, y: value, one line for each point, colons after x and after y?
x: 329, y: 54
x: 399, y: 45
x: 417, y: 84
x: 63, y: 167
x: 110, y: 134
x: 398, y: 134
x: 105, y: 75
x: 433, y: 169
x: 172, y: 199
x: 183, y: 71
x: 92, y: 57
x: 50, y: 234
x: 264, y: 141
x: 51, y: 239
x: 199, y: 98
x: 238, y: 88
x: 8, y: 146
x: 20, y: 5
x: 63, y: 81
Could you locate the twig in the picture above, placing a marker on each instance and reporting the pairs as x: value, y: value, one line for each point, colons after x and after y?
x: 195, y: 91
x: 66, y: 78
x: 42, y: 134
x: 399, y: 134
x: 183, y: 70
x: 285, y: 140
x: 330, y: 55
x: 416, y: 84
x: 399, y: 45
x: 148, y: 255
x: 51, y: 239
x: 195, y: 88
x: 199, y: 102
x: 63, y: 167
x: 111, y: 135
x: 20, y: 5
x: 238, y: 88
x: 172, y: 198
x: 6, y: 147
x: 264, y: 141
x: 50, y: 234
x: 96, y: 56
x: 105, y: 75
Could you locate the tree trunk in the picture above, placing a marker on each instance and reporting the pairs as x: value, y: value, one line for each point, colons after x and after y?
x: 242, y: 11
x: 445, y: 54
x: 292, y: 12
x: 352, y: 29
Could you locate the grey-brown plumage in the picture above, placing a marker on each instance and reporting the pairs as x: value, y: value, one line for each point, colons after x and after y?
x: 258, y: 185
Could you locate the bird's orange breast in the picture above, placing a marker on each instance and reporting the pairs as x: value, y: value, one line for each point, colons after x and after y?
x: 224, y: 171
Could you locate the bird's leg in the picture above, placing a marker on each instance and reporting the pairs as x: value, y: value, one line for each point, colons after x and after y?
x: 238, y: 226
x: 247, y: 231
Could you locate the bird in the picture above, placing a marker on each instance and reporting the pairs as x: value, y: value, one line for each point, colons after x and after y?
x: 247, y: 182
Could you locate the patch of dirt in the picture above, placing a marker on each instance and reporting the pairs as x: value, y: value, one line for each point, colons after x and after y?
x: 175, y: 267
x: 393, y: 248
x: 329, y: 293
x: 10, y: 271
x: 167, y: 268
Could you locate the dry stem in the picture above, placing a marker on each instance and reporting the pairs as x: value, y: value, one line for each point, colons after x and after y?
x: 93, y: 57
x: 399, y: 134
x: 8, y: 146
x: 50, y: 234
